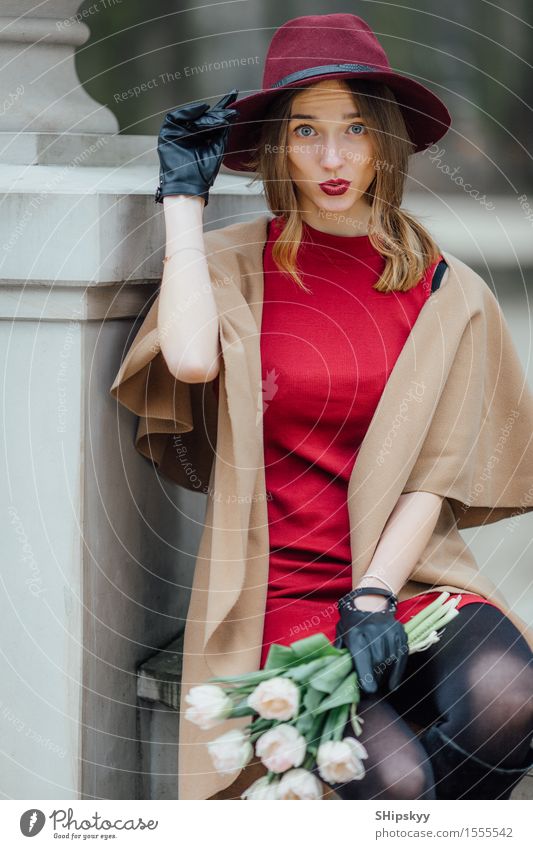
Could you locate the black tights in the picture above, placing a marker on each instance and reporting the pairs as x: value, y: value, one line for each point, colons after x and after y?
x: 476, y: 683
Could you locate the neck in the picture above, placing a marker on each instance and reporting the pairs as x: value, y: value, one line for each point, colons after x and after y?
x: 352, y: 222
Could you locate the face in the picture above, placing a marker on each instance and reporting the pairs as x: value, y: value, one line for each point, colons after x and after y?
x: 327, y: 139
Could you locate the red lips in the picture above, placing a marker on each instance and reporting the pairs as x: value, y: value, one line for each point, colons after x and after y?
x: 335, y: 187
x: 336, y: 182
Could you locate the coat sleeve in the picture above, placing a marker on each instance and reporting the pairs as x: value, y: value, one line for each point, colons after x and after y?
x: 176, y: 427
x: 478, y: 451
x: 178, y: 423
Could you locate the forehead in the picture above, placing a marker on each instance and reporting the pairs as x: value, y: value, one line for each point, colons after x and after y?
x: 331, y: 95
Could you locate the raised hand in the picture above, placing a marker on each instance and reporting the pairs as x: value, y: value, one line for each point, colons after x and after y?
x: 191, y: 147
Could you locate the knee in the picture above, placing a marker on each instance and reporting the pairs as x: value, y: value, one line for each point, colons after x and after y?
x: 391, y: 781
x: 509, y: 698
x: 415, y: 783
x: 501, y: 697
x: 516, y: 704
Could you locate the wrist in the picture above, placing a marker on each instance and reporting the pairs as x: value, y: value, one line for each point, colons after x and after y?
x: 373, y: 603
x: 370, y: 578
x: 182, y: 193
x: 190, y: 201
x: 347, y: 602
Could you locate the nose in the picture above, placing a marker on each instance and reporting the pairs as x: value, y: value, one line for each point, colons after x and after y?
x: 330, y: 157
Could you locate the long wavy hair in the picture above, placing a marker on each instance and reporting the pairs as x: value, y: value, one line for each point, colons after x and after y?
x: 396, y: 234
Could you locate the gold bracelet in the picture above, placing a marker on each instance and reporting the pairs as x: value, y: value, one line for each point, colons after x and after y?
x: 371, y: 575
x: 166, y: 258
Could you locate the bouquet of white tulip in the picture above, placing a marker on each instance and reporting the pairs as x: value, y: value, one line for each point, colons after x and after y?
x: 300, y: 703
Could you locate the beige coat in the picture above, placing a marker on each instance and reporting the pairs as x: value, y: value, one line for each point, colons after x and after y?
x: 455, y: 418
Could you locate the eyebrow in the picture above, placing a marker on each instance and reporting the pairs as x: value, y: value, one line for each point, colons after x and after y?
x: 314, y: 117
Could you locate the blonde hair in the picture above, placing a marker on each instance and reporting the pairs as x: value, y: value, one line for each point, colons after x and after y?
x: 407, y: 246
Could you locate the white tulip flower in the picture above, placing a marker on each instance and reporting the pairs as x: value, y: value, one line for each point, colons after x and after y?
x: 341, y: 760
x: 231, y: 751
x: 261, y: 789
x: 299, y: 784
x: 281, y: 748
x: 208, y: 706
x: 277, y: 698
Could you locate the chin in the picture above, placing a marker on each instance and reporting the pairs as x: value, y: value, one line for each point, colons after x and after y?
x: 329, y: 203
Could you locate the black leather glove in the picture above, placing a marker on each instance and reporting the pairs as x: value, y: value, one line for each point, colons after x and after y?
x: 191, y: 146
x: 372, y: 638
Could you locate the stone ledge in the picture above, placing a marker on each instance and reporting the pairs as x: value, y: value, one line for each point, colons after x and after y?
x: 78, y: 149
x: 44, y: 300
x: 159, y: 677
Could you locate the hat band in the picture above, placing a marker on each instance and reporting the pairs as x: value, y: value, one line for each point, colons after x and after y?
x: 322, y: 69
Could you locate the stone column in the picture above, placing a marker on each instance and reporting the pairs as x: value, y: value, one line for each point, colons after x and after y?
x: 98, y: 552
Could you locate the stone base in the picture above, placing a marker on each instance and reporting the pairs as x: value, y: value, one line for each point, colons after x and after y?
x: 78, y: 149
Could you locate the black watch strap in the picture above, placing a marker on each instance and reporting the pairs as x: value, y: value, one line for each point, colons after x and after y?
x: 346, y: 602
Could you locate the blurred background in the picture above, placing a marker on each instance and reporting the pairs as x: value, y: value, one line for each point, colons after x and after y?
x: 477, y: 56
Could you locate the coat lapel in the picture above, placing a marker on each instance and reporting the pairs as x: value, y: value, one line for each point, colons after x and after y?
x: 400, y: 422
x: 238, y: 453
x: 239, y: 508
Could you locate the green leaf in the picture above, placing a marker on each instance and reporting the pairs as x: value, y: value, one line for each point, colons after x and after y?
x: 304, y: 671
x: 310, y: 760
x: 315, y: 734
x: 330, y: 676
x: 311, y: 701
x: 333, y: 719
x: 312, y: 698
x: 342, y: 719
x: 282, y: 659
x: 261, y: 724
x: 356, y: 720
x: 241, y: 709
x: 310, y: 648
x: 278, y: 658
x: 305, y: 723
x: 247, y: 679
x: 346, y: 694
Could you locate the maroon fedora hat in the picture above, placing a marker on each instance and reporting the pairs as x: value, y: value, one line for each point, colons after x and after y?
x: 311, y: 48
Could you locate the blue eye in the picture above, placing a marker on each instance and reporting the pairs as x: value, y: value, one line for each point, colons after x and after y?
x: 302, y: 127
x: 359, y: 127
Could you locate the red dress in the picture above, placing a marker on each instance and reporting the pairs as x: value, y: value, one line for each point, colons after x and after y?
x: 325, y: 357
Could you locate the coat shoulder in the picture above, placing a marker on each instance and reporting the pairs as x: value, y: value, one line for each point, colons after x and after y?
x: 465, y: 273
x: 235, y: 253
x: 240, y: 237
x: 465, y: 282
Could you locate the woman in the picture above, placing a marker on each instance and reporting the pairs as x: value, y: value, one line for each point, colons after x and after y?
x: 348, y: 280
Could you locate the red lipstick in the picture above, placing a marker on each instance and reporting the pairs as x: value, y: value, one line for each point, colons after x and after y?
x: 335, y: 187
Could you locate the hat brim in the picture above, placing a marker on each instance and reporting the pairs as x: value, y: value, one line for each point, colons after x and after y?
x: 426, y: 116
